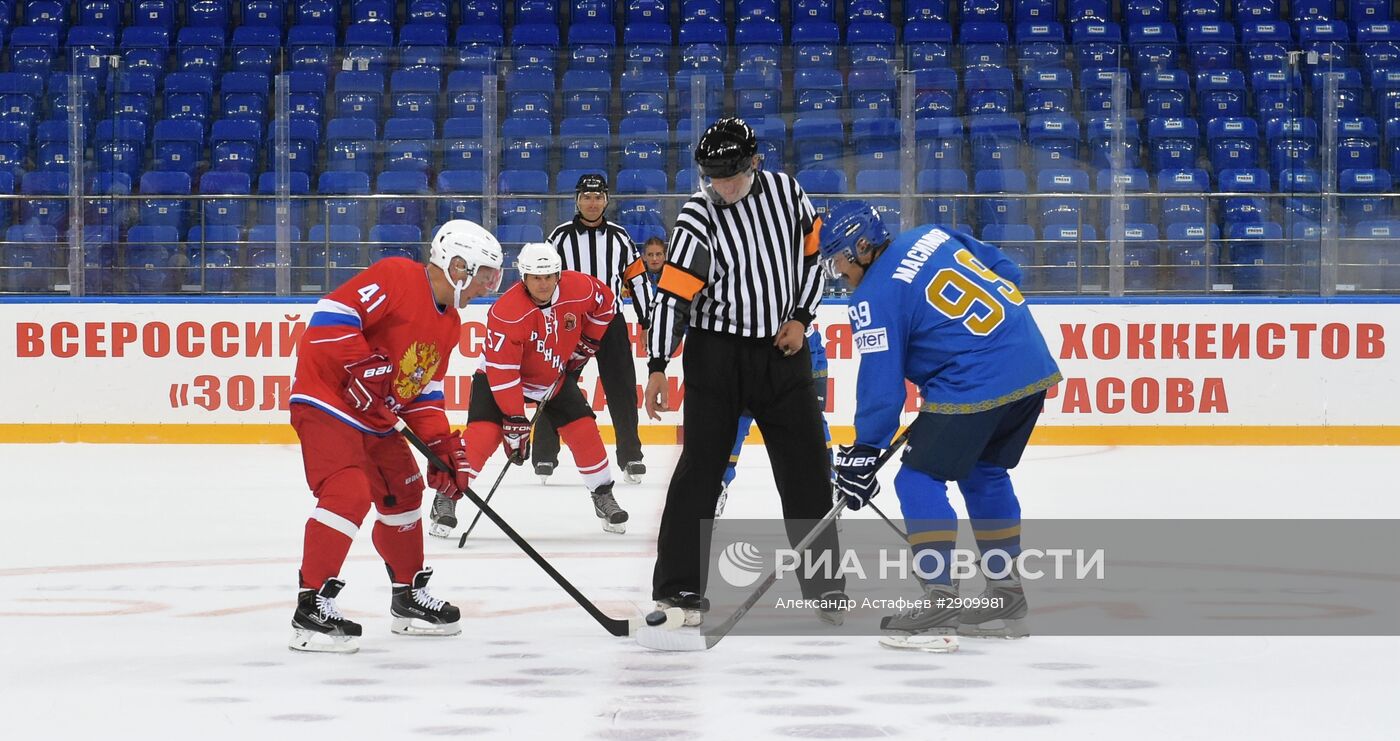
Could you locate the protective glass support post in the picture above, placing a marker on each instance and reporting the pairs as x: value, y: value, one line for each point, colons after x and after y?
x: 1329, y: 254
x: 1116, y: 200
x: 698, y: 105
x: 76, y: 106
x: 282, y: 175
x: 908, y: 152
x: 490, y: 149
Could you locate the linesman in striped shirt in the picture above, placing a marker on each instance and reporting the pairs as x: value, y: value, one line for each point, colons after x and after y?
x: 592, y: 245
x: 741, y: 283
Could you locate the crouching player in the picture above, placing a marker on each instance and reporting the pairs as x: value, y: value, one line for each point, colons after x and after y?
x: 376, y: 350
x: 539, y: 334
x: 942, y: 310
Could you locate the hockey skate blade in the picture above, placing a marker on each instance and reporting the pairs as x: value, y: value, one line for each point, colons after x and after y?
x: 1006, y: 629
x: 632, y: 478
x: 614, y: 527
x: 414, y: 627
x: 313, y: 642
x: 439, y: 531
x: 926, y: 642
x: 666, y: 639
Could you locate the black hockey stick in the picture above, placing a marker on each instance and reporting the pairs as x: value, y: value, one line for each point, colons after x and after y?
x: 612, y: 625
x: 462, y: 542
x: 663, y: 639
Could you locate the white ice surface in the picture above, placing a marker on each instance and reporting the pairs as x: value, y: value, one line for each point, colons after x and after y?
x: 145, y: 593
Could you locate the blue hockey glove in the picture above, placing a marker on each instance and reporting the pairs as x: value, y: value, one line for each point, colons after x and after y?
x: 855, y: 474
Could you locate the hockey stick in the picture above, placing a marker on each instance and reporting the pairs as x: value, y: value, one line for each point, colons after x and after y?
x: 612, y: 625
x: 462, y: 542
x: 663, y: 639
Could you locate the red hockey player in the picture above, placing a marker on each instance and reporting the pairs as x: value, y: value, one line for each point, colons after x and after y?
x: 539, y: 334
x: 376, y: 349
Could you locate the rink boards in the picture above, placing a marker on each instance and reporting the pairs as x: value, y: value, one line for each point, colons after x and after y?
x: 1136, y: 373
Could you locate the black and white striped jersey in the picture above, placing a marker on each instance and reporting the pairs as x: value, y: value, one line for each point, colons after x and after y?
x: 743, y: 269
x: 607, y: 253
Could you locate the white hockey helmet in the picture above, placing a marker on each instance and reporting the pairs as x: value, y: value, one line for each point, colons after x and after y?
x: 477, y: 247
x: 539, y: 258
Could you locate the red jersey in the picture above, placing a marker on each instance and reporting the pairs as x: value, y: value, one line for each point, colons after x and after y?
x: 527, y: 345
x: 388, y: 308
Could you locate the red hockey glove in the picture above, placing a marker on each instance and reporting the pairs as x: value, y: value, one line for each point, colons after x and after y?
x: 369, y: 384
x: 452, y: 449
x: 516, y: 440
x: 585, y: 351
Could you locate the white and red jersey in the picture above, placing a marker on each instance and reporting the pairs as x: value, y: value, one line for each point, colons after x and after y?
x: 388, y: 309
x: 527, y: 345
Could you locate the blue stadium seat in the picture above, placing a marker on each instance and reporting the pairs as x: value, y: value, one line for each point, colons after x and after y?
x: 1165, y: 93
x: 482, y: 11
x: 1135, y: 210
x: 1367, y: 257
x: 461, y: 195
x: 714, y: 90
x: 316, y: 12
x: 408, y: 144
x: 1039, y: 44
x: 395, y: 240
x: 346, y: 211
x: 368, y: 47
x: 1101, y: 134
x: 1306, y: 207
x: 822, y: 181
x: 936, y: 92
x: 1061, y: 209
x: 108, y: 213
x: 270, y: 13
x: 990, y: 90
x: 876, y: 143
x: 1154, y: 47
x: 584, y: 143
x: 309, y: 48
x: 814, y: 44
x: 303, y: 144
x: 818, y: 90
x: 358, y: 95
x: 872, y: 91
x: 149, y: 250
x: 1292, y: 143
x: 1173, y: 142
x: 221, y: 211
x: 1017, y: 242
x: 647, y: 46
x: 120, y: 145
x: 104, y: 13
x: 995, y: 143
x: 212, y: 253
x: 587, y: 92
x: 1142, y: 264
x: 402, y: 210
x: 536, y: 11
x: 945, y: 203
x: 527, y: 141
x: 265, y: 209
x: 692, y: 10
x: 1379, y: 43
x: 1186, y: 210
x: 634, y: 182
x: 703, y: 45
x: 479, y: 47
x: 591, y: 47
x: 1193, y: 257
x: 1054, y: 140
x: 642, y: 219
x: 350, y: 145
x: 34, y: 49
x: 984, y: 44
x: 414, y: 94
x: 462, y: 148
x: 254, y: 48
x: 1258, y: 10
x: 881, y: 181
x: 1357, y: 208
x: 164, y: 211
x: 190, y: 96
x: 1328, y: 40
x: 1097, y: 44
x: 331, y: 255
x: 1071, y: 259
x: 422, y: 46
x: 1233, y: 143
x: 870, y: 43
x: 819, y: 141
x: 135, y: 99
x: 1220, y: 93
x: 757, y: 93
x: 1256, y: 256
x: 237, y: 145
x: 928, y: 44
x: 99, y: 259
x: 1266, y: 44
x: 1145, y: 11
x: 260, y: 273
x: 1047, y: 90
x: 30, y: 258
x: 939, y: 142
x: 1097, y: 90
x: 1246, y: 209
x: 1210, y: 45
x: 759, y: 41
x: 14, y: 146
x: 645, y: 91
x: 1010, y: 210
x: 1358, y: 144
x: 464, y: 96
x: 825, y: 10
x: 429, y: 12
x: 530, y: 92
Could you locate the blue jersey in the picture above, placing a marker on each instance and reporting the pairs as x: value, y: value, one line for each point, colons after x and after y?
x: 818, y: 352
x: 942, y: 310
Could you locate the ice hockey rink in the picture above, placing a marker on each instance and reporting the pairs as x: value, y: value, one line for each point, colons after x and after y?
x: 145, y: 592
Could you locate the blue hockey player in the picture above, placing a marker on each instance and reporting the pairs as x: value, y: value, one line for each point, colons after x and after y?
x: 818, y: 352
x: 942, y: 310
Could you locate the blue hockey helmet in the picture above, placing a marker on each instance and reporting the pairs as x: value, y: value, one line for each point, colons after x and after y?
x: 844, y: 227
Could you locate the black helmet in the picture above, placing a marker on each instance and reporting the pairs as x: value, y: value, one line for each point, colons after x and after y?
x: 726, y: 149
x: 591, y: 182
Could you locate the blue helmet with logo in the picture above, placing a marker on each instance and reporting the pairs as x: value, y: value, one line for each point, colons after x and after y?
x: 844, y: 226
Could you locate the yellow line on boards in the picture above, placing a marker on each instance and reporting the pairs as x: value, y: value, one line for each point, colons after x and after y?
x: 263, y: 434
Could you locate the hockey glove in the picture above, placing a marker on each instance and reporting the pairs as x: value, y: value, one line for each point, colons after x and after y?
x: 585, y: 351
x: 855, y: 474
x: 370, y: 383
x: 452, y: 449
x: 516, y: 433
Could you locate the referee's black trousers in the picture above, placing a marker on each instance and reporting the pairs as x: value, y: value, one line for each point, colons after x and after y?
x: 618, y: 371
x: 724, y: 375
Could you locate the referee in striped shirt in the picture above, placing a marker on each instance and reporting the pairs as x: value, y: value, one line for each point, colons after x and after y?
x: 593, y: 245
x: 741, y: 283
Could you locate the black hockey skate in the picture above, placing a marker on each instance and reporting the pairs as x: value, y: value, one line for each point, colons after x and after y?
x: 317, y: 624
x: 633, y: 472
x: 929, y: 626
x: 418, y: 613
x: 443, y: 517
x: 612, y: 515
x: 999, y: 612
x: 544, y: 470
x: 694, y: 605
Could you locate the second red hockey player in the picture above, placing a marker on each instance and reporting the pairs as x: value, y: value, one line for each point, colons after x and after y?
x: 539, y: 333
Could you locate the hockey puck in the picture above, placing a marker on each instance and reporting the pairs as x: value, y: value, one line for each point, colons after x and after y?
x: 655, y: 618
